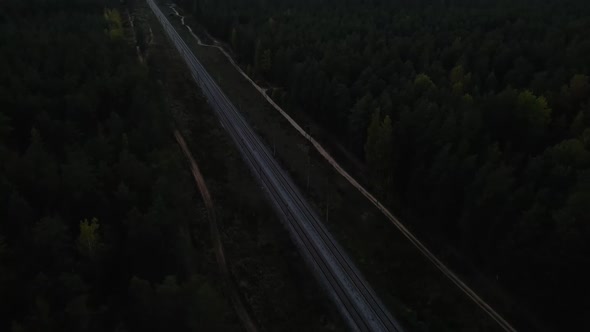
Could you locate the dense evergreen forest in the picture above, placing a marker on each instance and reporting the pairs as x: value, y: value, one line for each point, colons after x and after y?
x: 95, y: 196
x: 473, y: 118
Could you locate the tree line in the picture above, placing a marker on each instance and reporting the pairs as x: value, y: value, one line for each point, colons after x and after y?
x: 95, y: 197
x: 473, y: 118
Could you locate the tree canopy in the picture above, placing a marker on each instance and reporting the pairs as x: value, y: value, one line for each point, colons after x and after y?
x: 94, y: 192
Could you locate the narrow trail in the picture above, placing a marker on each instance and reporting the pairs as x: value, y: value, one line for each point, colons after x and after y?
x: 406, y: 232
x: 236, y: 300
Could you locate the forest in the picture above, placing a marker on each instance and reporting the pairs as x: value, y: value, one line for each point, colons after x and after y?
x: 473, y: 118
x: 95, y: 196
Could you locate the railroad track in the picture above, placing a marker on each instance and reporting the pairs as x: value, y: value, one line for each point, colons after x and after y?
x: 352, y: 295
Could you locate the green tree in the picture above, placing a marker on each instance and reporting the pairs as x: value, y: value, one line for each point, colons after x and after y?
x: 113, y: 17
x: 89, y: 241
x: 423, y: 83
x: 535, y: 112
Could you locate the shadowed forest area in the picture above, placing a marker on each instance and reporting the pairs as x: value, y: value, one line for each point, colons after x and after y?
x: 95, y: 196
x: 473, y: 118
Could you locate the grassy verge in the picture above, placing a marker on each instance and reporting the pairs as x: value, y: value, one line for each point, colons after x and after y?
x: 272, y: 277
x: 414, y: 290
